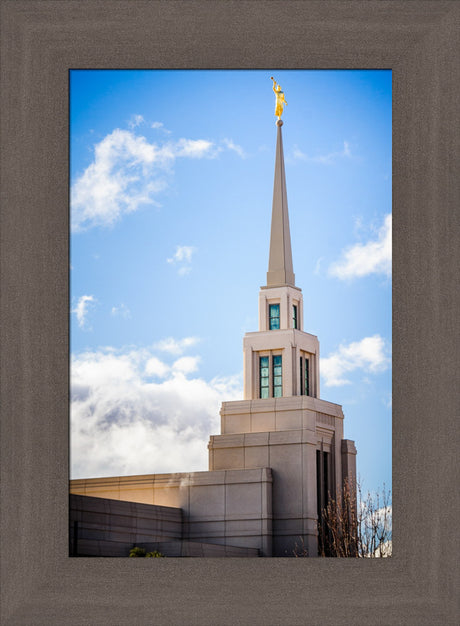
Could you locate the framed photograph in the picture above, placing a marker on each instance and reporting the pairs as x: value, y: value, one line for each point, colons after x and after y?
x: 185, y: 186
x: 41, y: 43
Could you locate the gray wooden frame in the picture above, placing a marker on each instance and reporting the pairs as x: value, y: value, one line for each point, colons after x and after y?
x: 41, y: 40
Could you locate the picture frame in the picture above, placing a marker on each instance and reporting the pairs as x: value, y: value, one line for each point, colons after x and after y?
x: 41, y: 41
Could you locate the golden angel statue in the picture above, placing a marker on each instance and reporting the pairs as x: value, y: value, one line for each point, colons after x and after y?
x: 280, y: 99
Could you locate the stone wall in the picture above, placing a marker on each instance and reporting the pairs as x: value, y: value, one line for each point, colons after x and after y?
x: 226, y: 508
x: 104, y: 527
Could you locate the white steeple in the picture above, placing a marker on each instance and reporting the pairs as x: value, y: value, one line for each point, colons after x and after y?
x: 281, y: 360
x: 281, y: 423
x: 280, y: 269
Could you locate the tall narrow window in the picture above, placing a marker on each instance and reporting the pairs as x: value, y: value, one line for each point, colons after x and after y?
x: 304, y: 376
x: 322, y: 499
x: 307, y: 378
x: 301, y: 375
x: 274, y: 315
x: 264, y: 376
x: 277, y: 376
x: 294, y: 316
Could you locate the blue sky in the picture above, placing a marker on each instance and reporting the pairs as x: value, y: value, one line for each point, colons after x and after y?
x: 171, y: 190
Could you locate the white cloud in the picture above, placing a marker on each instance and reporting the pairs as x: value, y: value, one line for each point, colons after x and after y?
x: 369, y: 355
x: 121, y: 311
x: 182, y: 258
x: 186, y: 364
x: 362, y: 259
x: 358, y: 225
x: 82, y: 308
x: 231, y: 145
x: 318, y: 265
x: 298, y: 154
x: 326, y: 159
x: 160, y: 126
x: 195, y: 148
x: 155, y: 367
x: 183, y: 253
x: 176, y: 346
x: 126, y: 173
x: 123, y: 423
x: 136, y: 120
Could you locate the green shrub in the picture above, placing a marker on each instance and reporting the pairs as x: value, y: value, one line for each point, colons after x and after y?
x: 140, y: 552
x: 154, y: 554
x: 137, y: 552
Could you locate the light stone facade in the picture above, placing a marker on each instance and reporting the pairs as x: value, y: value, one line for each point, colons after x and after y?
x: 226, y: 507
x: 281, y: 452
x: 286, y: 434
x: 108, y: 527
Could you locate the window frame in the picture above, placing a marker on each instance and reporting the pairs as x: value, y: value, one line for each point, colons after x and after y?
x: 275, y: 386
x: 267, y: 378
x: 270, y: 355
x: 305, y: 375
x: 270, y: 317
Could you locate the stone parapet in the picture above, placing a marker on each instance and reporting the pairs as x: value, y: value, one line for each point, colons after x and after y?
x: 227, y: 507
x: 348, y: 450
x: 273, y: 414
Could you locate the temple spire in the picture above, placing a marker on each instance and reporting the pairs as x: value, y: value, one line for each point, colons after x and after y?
x: 280, y: 269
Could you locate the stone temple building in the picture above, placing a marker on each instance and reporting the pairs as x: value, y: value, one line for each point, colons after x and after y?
x: 280, y: 453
